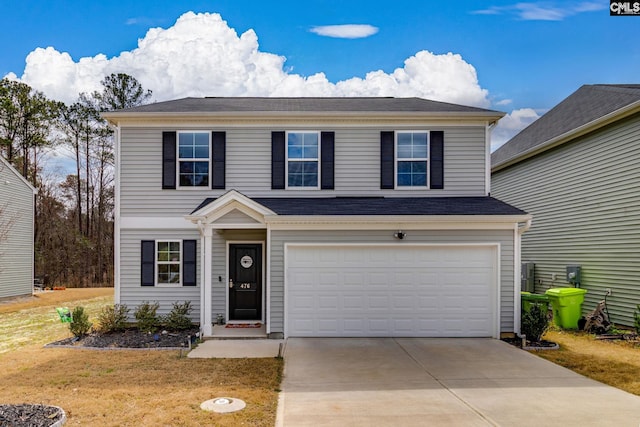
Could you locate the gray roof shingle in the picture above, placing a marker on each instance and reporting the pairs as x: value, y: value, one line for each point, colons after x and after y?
x: 383, y: 206
x: 275, y: 105
x: 588, y: 103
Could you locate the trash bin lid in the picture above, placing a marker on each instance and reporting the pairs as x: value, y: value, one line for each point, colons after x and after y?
x: 535, y: 297
x: 565, y: 292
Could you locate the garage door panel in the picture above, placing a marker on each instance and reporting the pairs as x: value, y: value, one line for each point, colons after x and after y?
x: 391, y: 291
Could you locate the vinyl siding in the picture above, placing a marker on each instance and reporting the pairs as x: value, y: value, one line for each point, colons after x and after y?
x: 133, y: 294
x: 16, y: 251
x: 586, y: 211
x: 248, y: 167
x: 504, y: 237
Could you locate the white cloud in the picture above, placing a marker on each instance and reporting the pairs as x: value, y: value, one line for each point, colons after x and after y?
x: 347, y: 31
x: 511, y: 124
x: 543, y: 11
x: 504, y: 102
x: 200, y: 55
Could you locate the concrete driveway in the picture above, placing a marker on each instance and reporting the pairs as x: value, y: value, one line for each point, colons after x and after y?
x: 439, y: 382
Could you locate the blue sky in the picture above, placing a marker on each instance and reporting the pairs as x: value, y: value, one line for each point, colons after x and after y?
x: 525, y: 56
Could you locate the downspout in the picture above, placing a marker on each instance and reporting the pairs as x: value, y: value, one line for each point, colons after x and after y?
x: 520, y: 230
x: 116, y: 219
x: 524, y: 228
x: 487, y: 178
x: 201, y: 228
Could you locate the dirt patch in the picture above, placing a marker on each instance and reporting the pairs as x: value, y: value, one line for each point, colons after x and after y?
x: 132, y: 338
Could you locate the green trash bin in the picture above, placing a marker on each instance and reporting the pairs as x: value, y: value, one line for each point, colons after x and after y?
x: 528, y: 299
x: 567, y: 306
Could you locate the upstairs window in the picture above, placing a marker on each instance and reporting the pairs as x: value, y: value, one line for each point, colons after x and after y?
x: 302, y: 159
x: 193, y: 159
x: 412, y: 159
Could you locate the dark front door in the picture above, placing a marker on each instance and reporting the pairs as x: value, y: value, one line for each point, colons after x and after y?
x: 245, y: 281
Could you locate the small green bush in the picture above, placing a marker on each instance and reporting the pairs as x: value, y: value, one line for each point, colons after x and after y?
x: 535, y: 322
x: 80, y: 324
x: 113, y: 318
x: 636, y: 319
x: 178, y: 318
x: 146, y: 318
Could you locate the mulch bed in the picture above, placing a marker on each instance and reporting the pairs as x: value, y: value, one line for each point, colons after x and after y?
x: 132, y: 338
x: 27, y: 415
x: 517, y: 342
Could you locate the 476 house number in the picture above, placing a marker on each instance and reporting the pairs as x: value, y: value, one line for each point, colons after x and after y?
x: 245, y: 286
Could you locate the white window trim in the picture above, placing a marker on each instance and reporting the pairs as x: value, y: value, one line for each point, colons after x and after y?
x: 158, y: 263
x: 396, y: 160
x: 178, y: 159
x: 286, y: 160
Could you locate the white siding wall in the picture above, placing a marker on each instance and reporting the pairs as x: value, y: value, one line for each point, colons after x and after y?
x: 16, y: 251
x: 248, y: 167
x: 504, y: 238
x: 584, y: 198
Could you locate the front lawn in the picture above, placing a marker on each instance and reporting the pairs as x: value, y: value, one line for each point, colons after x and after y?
x: 123, y: 387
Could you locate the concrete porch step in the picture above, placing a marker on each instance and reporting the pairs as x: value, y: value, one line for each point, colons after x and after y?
x: 221, y: 332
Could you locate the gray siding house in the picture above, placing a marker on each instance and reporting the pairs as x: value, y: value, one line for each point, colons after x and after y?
x: 577, y: 171
x: 16, y: 232
x: 324, y: 217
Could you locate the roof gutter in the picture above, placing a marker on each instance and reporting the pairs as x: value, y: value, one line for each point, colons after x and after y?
x: 115, y: 117
x: 572, y: 134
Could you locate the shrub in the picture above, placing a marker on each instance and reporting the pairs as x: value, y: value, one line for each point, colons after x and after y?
x: 80, y: 324
x: 146, y: 317
x: 535, y: 322
x: 178, y: 318
x: 636, y: 319
x: 113, y: 318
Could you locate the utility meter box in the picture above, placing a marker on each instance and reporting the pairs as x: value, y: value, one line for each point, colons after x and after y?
x: 573, y: 274
x: 527, y: 270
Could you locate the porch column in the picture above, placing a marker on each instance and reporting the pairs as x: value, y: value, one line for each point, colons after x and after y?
x: 205, y: 304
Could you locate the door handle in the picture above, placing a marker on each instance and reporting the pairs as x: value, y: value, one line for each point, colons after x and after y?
x: 230, y: 283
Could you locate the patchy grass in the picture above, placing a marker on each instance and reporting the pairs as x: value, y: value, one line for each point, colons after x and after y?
x: 616, y: 363
x: 34, y: 320
x: 124, y: 387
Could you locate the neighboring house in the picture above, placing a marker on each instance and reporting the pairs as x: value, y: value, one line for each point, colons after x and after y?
x: 577, y: 171
x: 317, y: 216
x: 16, y: 232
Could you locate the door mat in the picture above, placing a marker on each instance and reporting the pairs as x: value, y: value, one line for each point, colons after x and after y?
x: 244, y: 325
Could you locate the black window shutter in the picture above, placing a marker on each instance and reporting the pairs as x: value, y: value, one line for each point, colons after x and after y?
x: 218, y: 156
x: 387, y: 159
x: 148, y: 262
x: 277, y: 160
x: 327, y: 145
x: 189, y: 262
x: 168, y: 160
x: 436, y: 148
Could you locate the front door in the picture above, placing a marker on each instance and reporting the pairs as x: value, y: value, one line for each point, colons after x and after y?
x: 245, y: 281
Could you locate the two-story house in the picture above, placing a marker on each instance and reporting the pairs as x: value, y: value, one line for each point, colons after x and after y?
x: 324, y: 217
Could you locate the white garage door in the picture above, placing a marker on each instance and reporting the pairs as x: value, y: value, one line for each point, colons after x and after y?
x: 391, y: 291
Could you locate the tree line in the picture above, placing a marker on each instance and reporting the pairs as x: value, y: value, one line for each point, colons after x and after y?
x: 74, y: 215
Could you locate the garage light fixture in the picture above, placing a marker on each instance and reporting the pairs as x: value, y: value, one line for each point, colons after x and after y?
x: 399, y: 235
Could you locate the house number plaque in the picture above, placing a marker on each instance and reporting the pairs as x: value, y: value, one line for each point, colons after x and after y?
x: 246, y: 261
